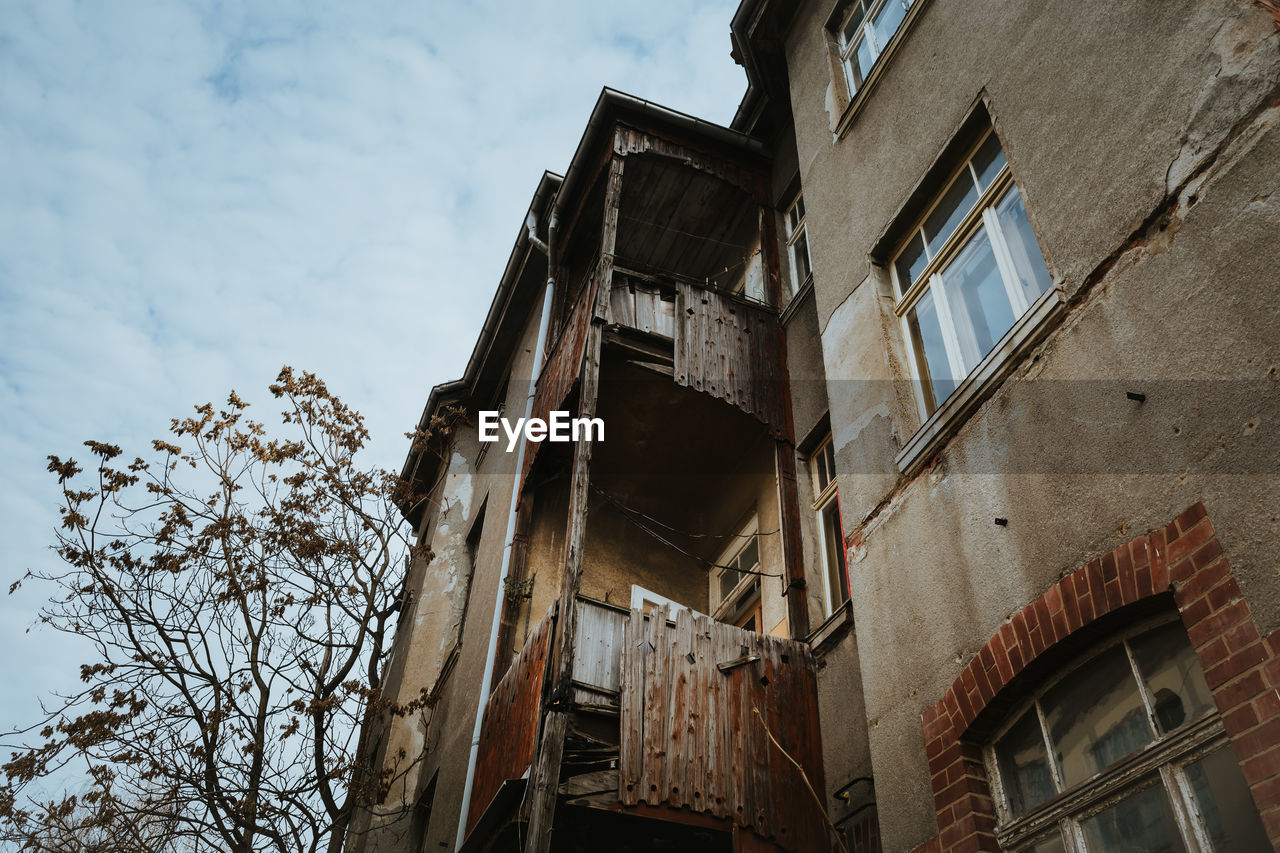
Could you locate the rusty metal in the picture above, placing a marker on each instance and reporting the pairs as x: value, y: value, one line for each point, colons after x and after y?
x: 509, y: 732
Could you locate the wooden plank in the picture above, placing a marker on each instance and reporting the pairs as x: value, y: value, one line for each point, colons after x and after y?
x: 631, y: 710
x: 545, y: 772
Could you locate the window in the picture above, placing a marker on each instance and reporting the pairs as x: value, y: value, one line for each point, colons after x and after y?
x: 1123, y: 752
x: 797, y: 244
x: 827, y: 507
x: 864, y: 34
x: 967, y: 272
x: 735, y: 591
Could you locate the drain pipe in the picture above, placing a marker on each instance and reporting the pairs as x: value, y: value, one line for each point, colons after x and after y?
x: 486, y: 680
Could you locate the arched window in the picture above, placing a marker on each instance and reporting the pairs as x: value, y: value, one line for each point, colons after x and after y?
x: 1123, y: 750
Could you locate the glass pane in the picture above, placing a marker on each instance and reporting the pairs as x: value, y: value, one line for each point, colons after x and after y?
x: 1096, y: 717
x: 1033, y: 275
x: 866, y: 58
x: 1230, y: 817
x: 820, y: 469
x: 750, y: 557
x: 850, y: 31
x: 887, y: 21
x: 1172, y: 672
x: 954, y: 204
x: 829, y: 453
x: 728, y: 580
x: 978, y: 301
x: 988, y: 161
x: 1024, y: 766
x: 800, y: 255
x: 1142, y: 823
x: 911, y: 262
x: 837, y: 575
x: 927, y: 332
x: 1049, y: 844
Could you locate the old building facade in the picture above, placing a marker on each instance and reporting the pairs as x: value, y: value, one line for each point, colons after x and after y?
x: 940, y: 490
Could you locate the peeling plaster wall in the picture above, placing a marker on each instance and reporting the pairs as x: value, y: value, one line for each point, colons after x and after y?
x: 1142, y: 139
x: 447, y: 611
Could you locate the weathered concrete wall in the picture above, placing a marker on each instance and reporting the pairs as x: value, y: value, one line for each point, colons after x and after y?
x: 466, y: 489
x: 1118, y: 118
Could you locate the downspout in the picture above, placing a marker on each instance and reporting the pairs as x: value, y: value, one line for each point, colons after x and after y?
x: 486, y: 680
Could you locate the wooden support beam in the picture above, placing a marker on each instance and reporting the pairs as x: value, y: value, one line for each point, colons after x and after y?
x: 784, y: 449
x: 544, y: 777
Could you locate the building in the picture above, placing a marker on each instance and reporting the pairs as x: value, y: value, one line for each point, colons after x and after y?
x: 944, y: 381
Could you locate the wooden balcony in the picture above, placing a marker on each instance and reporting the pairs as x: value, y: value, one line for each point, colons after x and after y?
x: 676, y: 717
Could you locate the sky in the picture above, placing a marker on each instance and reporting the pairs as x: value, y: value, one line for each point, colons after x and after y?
x: 193, y: 194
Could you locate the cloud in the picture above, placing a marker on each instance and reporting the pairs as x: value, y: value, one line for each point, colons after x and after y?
x: 196, y: 193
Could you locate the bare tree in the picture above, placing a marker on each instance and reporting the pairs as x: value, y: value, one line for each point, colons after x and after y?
x: 239, y: 592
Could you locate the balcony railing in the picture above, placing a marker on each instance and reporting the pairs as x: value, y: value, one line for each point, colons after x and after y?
x: 711, y: 719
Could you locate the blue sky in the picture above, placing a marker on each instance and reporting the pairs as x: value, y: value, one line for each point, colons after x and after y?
x: 194, y: 194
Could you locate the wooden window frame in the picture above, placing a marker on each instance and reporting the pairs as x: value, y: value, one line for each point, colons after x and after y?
x: 1161, y: 762
x: 854, y: 79
x: 827, y: 494
x: 980, y: 219
x: 726, y: 605
x: 794, y: 229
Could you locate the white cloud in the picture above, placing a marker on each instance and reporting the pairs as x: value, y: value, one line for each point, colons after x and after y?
x: 195, y: 193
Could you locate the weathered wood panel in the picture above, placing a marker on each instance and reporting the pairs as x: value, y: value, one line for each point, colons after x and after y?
x: 562, y: 367
x: 732, y: 350
x: 696, y: 737
x: 509, y: 732
x: 642, y: 305
x: 598, y: 653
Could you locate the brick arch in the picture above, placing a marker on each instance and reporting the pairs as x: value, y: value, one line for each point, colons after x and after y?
x: 1241, y: 668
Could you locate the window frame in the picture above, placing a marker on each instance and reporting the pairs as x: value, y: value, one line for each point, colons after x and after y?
x: 854, y: 79
x: 795, y: 232
x: 1162, y: 761
x: 726, y: 605
x: 981, y: 218
x: 825, y: 496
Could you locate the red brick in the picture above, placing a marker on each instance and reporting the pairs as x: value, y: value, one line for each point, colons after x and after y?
x: 1208, y: 552
x: 1191, y: 516
x: 1109, y: 572
x: 1198, y: 583
x: 1115, y: 598
x: 1240, y: 720
x: 1271, y: 671
x: 1189, y: 541
x: 1218, y: 623
x: 1267, y: 705
x: 1159, y: 564
x: 1141, y: 550
x: 1244, y: 689
x: 1142, y: 577
x: 1180, y: 571
x: 1261, y: 767
x: 1223, y: 594
x: 967, y: 712
x: 1273, y: 643
x: 1258, y: 739
x: 1003, y: 665
x: 1213, y: 653
x: 1010, y: 640
x: 1080, y: 586
x: 1271, y: 822
x: 1267, y: 794
x: 1240, y: 662
x: 1124, y: 560
x: 1096, y: 591
x: 1053, y: 599
x: 1195, y: 612
x: 941, y: 760
x: 1242, y: 636
x: 1045, y: 622
x: 1023, y: 636
x: 1070, y: 605
x: 986, y: 690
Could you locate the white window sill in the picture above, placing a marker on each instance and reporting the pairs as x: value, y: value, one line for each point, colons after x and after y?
x: 833, y: 629
x: 947, y: 419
